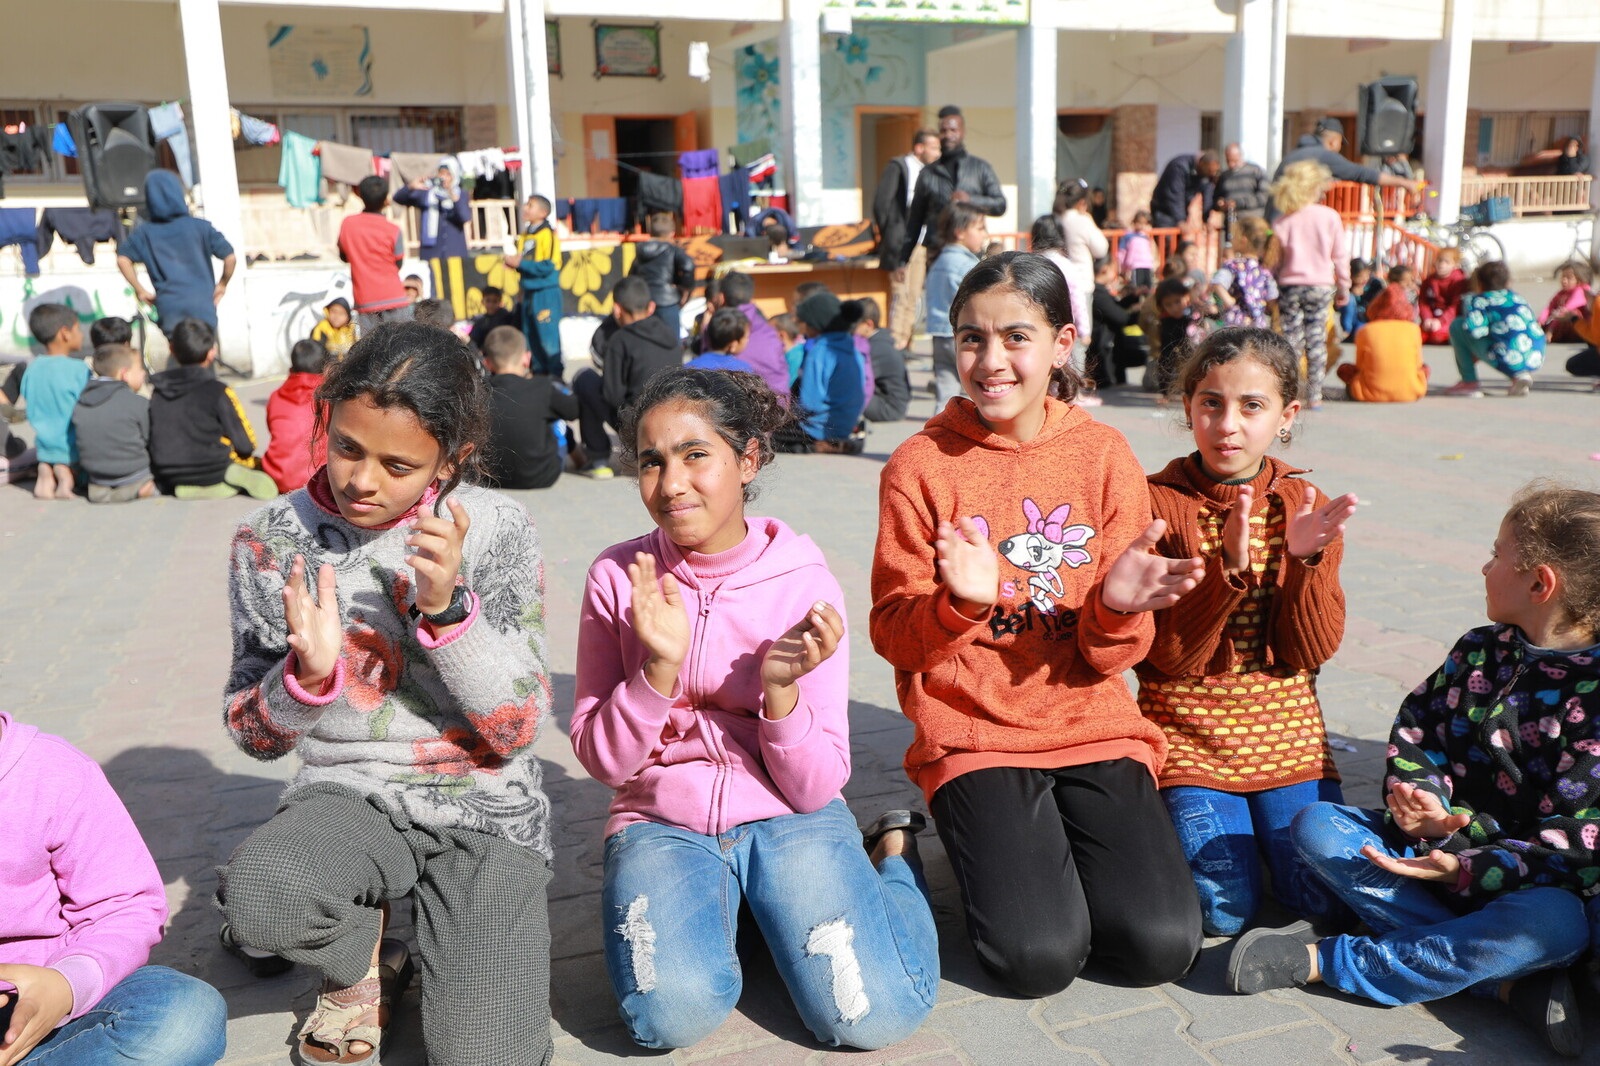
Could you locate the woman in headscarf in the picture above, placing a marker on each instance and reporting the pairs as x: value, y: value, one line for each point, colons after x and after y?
x: 446, y: 211
x: 176, y: 249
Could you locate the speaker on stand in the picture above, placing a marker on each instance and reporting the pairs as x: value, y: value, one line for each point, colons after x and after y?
x: 116, y: 149
x: 1386, y: 125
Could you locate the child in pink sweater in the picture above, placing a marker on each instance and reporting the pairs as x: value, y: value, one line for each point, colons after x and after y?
x: 715, y: 702
x: 83, y: 906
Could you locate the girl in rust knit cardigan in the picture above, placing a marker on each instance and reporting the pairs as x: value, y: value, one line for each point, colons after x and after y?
x: 1231, y: 675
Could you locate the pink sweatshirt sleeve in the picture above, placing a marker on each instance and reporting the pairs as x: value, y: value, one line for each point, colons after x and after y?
x: 112, y: 896
x: 807, y: 752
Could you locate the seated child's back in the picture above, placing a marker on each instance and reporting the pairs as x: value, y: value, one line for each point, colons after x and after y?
x: 112, y: 423
x: 292, y: 455
x: 522, y: 452
x: 197, y: 425
x: 52, y: 382
x: 725, y: 337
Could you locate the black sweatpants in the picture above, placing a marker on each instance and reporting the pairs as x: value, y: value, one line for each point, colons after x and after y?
x: 1057, y: 865
x: 1585, y: 364
x: 307, y: 884
x: 594, y: 414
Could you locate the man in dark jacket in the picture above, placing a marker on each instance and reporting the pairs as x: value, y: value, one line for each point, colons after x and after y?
x: 956, y: 178
x: 1184, y: 178
x: 1322, y: 145
x: 640, y: 349
x: 200, y: 439
x: 1242, y: 187
x: 890, y: 205
x: 667, y: 269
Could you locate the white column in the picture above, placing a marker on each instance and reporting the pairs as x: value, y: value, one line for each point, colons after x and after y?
x: 1592, y: 145
x: 1449, y: 73
x: 1037, y: 127
x: 532, y: 105
x: 800, y: 68
x: 1277, y: 60
x: 517, y: 76
x: 217, y: 176
x: 1247, y: 82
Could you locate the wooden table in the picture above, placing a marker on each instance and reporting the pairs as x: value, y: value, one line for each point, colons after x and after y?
x: 850, y: 279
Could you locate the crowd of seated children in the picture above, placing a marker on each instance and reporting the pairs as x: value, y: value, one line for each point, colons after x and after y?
x: 1365, y: 286
x: 643, y: 345
x: 1439, y: 297
x: 112, y: 424
x: 1497, y: 327
x: 336, y: 332
x: 201, y: 446
x: 723, y: 341
x: 524, y: 451
x: 294, y: 450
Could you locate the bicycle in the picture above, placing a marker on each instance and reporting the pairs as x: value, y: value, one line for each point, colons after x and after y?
x: 1467, y: 235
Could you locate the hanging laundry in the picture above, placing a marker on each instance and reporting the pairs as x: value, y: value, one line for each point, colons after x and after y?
x: 344, y: 163
x: 407, y: 167
x: 563, y: 209
x: 747, y: 152
x: 499, y: 185
x: 735, y: 200
x: 702, y: 204
x: 658, y: 193
x: 17, y: 227
x: 19, y: 150
x: 482, y: 162
x: 613, y: 217
x: 254, y: 130
x: 763, y: 169
x: 300, y: 173
x: 62, y: 142
x: 701, y: 164
x: 166, y: 122
x: 81, y: 227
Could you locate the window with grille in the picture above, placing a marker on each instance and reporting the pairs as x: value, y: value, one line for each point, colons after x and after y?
x: 412, y: 129
x: 1505, y: 138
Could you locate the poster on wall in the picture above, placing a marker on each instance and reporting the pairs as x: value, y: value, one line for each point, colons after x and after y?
x: 990, y: 12
x: 552, y: 46
x: 627, y: 51
x: 320, y: 61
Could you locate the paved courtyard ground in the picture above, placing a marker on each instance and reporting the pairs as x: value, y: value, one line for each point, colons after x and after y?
x: 117, y: 638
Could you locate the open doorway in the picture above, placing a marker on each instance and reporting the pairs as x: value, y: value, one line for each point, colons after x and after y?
x: 617, y: 147
x: 645, y: 144
x: 882, y: 134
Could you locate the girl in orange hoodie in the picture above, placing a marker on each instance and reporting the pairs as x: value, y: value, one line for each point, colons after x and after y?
x: 1011, y: 588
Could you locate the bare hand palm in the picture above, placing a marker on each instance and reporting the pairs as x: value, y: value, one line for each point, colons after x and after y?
x: 1314, y: 528
x: 807, y: 644
x: 1236, y: 532
x: 660, y: 620
x: 1141, y: 580
x: 967, y: 563
x: 315, y: 631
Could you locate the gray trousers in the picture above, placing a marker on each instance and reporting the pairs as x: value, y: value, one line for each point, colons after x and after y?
x: 307, y: 884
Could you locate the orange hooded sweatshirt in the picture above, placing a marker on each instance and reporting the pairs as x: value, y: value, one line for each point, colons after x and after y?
x: 1038, y: 682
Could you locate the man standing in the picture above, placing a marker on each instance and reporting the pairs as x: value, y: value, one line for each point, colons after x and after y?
x: 1242, y: 186
x: 890, y: 205
x: 955, y: 178
x: 1184, y: 178
x: 1322, y: 145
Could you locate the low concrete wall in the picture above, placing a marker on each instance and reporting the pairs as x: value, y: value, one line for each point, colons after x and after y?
x: 1536, y: 247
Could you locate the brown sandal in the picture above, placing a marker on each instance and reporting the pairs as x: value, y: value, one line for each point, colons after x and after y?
x: 359, y: 1013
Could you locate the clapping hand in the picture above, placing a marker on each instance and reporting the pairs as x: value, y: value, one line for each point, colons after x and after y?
x: 1419, y: 815
x: 315, y: 632
x: 43, y: 999
x: 437, y: 555
x: 1236, y: 533
x: 807, y: 644
x: 1314, y: 528
x: 1141, y: 580
x: 659, y: 621
x: 968, y: 565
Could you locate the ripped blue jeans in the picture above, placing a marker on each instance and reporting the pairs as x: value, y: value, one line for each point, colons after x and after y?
x: 1424, y: 949
x: 1225, y: 836
x: 856, y: 946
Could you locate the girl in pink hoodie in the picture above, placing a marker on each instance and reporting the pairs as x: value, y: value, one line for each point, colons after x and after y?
x: 714, y: 701
x: 83, y: 906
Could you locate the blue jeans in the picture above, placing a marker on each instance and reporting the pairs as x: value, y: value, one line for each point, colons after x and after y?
x: 1423, y: 949
x: 1226, y: 835
x: 855, y: 946
x: 153, y: 1015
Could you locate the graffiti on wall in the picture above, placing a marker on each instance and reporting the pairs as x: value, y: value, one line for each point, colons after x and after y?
x: 90, y: 298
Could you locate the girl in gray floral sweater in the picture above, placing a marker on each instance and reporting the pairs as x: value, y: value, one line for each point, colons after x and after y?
x: 411, y: 680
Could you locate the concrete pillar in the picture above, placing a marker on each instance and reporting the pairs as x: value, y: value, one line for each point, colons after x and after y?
x: 800, y: 67
x: 217, y: 175
x: 531, y: 106
x: 517, y: 77
x: 1247, y: 81
x: 1277, y: 59
x: 1449, y: 73
x: 1592, y: 145
x: 1037, y: 128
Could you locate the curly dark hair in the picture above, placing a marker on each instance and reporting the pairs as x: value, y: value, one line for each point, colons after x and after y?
x: 740, y: 406
x: 1040, y: 282
x: 430, y: 372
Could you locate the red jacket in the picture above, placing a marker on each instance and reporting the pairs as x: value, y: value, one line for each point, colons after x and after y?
x: 1440, y: 298
x: 291, y: 459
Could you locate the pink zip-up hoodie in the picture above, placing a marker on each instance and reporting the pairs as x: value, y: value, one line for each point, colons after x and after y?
x: 706, y: 759
x: 81, y: 893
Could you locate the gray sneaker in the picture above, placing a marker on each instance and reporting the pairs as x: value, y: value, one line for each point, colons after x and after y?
x: 1521, y: 385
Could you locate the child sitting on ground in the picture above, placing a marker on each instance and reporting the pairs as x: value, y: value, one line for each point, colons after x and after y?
x: 643, y: 346
x: 50, y: 389
x: 336, y: 332
x: 1364, y: 288
x: 1497, y: 327
x: 112, y: 423
x: 1388, y: 366
x: 891, y: 391
x: 1569, y: 304
x: 794, y: 345
x: 84, y: 905
x: 1243, y: 287
x: 831, y: 389
x: 725, y: 336
x: 110, y: 330
x: 294, y: 452
x: 523, y: 452
x: 1439, y: 299
x: 1473, y: 879
x: 201, y: 445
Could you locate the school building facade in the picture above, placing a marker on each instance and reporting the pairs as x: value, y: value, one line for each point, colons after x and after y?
x: 590, y: 89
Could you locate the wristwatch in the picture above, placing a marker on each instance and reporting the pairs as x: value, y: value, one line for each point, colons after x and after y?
x: 458, y: 610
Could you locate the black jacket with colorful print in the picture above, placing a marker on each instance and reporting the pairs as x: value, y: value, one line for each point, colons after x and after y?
x: 1509, y: 738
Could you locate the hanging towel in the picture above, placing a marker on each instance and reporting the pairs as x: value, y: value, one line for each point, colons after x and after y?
x: 584, y: 212
x: 764, y: 169
x: 17, y: 227
x: 658, y: 193
x: 254, y: 130
x: 344, y: 163
x: 300, y: 173
x: 613, y: 214
x: 748, y: 151
x: 81, y: 227
x: 166, y: 122
x: 735, y: 186
x: 62, y: 142
x: 701, y: 164
x: 407, y: 167
x: 702, y: 204
x: 496, y: 186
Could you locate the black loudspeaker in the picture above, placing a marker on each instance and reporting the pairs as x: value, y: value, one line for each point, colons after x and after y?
x: 116, y: 149
x: 1387, y: 124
